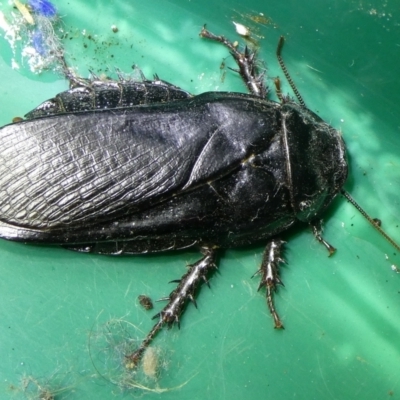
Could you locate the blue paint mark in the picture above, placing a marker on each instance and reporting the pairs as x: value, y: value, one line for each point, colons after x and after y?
x: 38, y: 42
x: 43, y: 7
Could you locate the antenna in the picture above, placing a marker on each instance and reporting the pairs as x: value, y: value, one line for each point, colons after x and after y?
x: 372, y: 221
x: 286, y: 72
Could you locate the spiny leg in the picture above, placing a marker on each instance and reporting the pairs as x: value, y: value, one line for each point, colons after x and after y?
x: 269, y: 272
x: 317, y: 231
x: 246, y: 62
x: 188, y: 285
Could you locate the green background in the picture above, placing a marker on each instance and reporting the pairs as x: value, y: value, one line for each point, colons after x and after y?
x: 65, y: 317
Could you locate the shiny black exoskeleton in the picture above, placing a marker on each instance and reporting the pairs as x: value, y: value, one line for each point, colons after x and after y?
x: 136, y: 174
x: 225, y: 169
x: 97, y: 94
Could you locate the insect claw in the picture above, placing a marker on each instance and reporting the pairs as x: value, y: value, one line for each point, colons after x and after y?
x: 175, y: 281
x: 206, y: 34
x: 331, y: 249
x: 278, y: 324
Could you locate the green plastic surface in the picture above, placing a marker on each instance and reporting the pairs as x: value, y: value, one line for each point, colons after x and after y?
x: 66, y: 317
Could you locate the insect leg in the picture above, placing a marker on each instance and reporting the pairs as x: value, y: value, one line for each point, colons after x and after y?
x: 317, y: 231
x: 246, y: 62
x: 269, y: 272
x: 188, y: 285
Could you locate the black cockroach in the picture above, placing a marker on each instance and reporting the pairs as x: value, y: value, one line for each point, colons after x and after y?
x: 122, y: 167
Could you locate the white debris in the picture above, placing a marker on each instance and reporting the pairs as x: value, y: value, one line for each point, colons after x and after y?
x: 241, y: 29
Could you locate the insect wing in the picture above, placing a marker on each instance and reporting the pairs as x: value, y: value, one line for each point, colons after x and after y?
x: 82, y: 169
